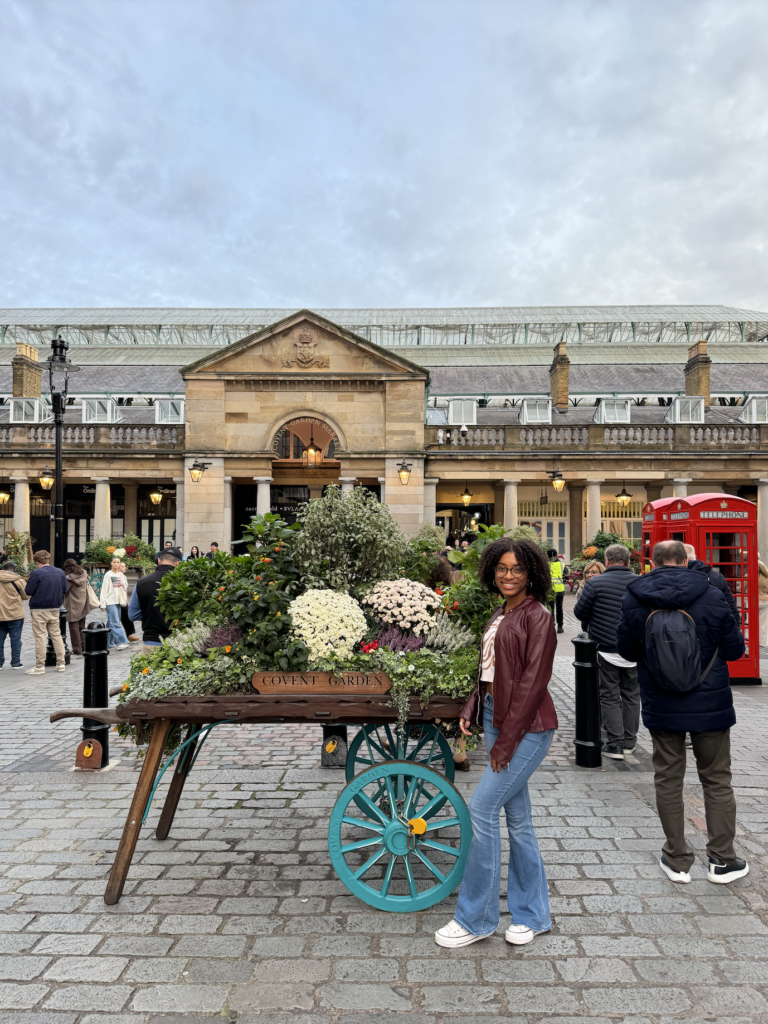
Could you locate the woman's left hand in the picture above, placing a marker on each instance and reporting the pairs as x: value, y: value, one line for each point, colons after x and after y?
x: 496, y: 766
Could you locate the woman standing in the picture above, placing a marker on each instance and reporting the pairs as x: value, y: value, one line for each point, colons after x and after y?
x: 125, y: 620
x: 762, y: 593
x: 76, y: 602
x: 194, y: 552
x: 518, y: 648
x: 114, y: 594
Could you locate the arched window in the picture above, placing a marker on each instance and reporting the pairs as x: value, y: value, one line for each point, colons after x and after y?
x: 296, y: 440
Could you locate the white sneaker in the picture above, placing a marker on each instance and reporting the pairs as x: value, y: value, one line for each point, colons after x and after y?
x: 35, y: 672
x: 452, y: 935
x: 520, y: 934
x: 61, y: 668
x: 121, y: 647
x: 675, y: 876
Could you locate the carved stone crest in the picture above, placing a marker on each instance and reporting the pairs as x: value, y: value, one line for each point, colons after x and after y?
x: 305, y: 353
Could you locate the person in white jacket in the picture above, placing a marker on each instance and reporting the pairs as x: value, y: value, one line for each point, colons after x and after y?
x: 114, y: 596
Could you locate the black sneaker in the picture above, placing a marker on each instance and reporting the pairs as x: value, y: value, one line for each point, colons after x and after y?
x: 615, y: 753
x: 560, y: 629
x: 721, y: 872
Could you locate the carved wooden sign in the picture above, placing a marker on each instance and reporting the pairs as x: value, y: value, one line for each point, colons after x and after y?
x: 320, y: 682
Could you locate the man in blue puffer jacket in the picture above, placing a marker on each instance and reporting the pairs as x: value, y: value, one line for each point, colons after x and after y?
x: 706, y: 711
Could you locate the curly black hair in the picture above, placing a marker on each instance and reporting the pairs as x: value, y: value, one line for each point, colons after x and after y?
x: 528, y: 554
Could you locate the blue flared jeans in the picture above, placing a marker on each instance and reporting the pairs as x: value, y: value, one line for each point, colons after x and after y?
x: 478, y: 908
x: 116, y: 631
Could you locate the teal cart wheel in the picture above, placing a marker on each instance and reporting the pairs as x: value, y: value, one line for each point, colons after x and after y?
x: 95, y: 581
x: 420, y: 744
x: 404, y: 852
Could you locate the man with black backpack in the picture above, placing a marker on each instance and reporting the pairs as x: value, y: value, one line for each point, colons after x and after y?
x: 681, y: 633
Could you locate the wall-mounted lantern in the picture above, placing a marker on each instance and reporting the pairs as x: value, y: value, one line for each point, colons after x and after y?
x: 197, y: 469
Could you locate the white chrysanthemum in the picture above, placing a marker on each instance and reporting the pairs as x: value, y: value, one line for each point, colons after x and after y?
x: 328, y: 623
x: 404, y: 603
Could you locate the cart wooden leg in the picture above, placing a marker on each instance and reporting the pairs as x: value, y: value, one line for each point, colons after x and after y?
x: 180, y: 776
x: 129, y: 838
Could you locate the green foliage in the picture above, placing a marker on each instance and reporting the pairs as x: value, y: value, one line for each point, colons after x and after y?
x: 432, y: 535
x: 470, y: 604
x: 17, y: 548
x: 469, y: 560
x: 420, y: 561
x: 142, y: 554
x: 348, y: 541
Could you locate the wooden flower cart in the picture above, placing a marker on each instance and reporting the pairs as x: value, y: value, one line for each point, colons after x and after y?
x: 399, y: 832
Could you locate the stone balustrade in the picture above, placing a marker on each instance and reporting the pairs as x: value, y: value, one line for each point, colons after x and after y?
x: 101, y: 436
x: 597, y: 437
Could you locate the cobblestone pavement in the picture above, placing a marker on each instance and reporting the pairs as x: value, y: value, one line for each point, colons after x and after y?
x: 239, y: 914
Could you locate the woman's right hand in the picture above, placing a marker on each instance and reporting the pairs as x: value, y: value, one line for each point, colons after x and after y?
x: 464, y: 725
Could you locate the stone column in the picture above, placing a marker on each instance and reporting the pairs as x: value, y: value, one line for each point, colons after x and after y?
x: 430, y: 499
x: 510, y: 503
x: 102, y: 512
x: 179, y: 481
x: 263, y: 498
x: 653, y: 490
x: 382, y: 489
x: 347, y: 483
x: 227, y: 536
x: 131, y: 523
x: 762, y: 518
x: 204, y: 505
x: 593, y: 507
x: 680, y: 486
x: 20, y: 504
x: 575, y: 517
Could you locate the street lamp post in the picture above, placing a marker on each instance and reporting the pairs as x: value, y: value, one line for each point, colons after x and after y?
x: 58, y: 365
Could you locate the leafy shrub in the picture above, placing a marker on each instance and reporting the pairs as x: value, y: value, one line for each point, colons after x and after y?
x: 469, y: 603
x: 348, y: 541
x: 447, y: 636
x: 469, y: 560
x: 134, y: 551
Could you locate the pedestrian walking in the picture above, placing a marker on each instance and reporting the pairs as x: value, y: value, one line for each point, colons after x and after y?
x: 716, y: 578
x: 76, y: 603
x: 518, y: 648
x: 558, y: 588
x: 125, y: 620
x: 762, y: 593
x: 45, y: 589
x: 680, y: 631
x: 114, y: 595
x: 599, y: 610
x: 13, y: 594
x: 143, y: 603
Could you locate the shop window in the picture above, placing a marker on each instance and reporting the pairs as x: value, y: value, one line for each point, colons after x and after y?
x: 462, y: 413
x: 29, y: 410
x: 101, y: 410
x: 169, y: 410
x: 556, y: 536
x: 536, y: 410
x: 612, y: 410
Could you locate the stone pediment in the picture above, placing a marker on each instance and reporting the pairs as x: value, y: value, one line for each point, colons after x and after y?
x: 305, y: 344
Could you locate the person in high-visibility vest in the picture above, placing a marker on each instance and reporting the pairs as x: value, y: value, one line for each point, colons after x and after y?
x: 556, y: 572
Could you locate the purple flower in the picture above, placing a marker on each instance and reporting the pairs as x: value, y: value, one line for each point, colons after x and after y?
x: 223, y: 636
x: 395, y: 640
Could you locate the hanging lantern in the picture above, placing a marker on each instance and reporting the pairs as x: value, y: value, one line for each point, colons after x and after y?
x: 46, y: 480
x: 309, y: 458
x: 466, y: 496
x: 557, y: 480
x: 197, y: 469
x: 156, y: 497
x: 623, y: 497
x: 404, y: 472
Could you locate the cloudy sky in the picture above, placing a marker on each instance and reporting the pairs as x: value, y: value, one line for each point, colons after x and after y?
x: 383, y: 153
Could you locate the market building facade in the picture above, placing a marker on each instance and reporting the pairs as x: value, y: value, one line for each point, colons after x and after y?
x: 567, y: 419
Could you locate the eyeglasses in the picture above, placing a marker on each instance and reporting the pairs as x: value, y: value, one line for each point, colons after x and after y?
x: 516, y: 570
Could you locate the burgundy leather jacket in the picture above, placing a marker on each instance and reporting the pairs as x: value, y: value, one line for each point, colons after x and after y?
x: 524, y: 649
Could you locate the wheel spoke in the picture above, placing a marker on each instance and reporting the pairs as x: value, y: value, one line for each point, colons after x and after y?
x: 442, y: 823
x: 364, y: 760
x: 409, y: 876
x: 429, y: 865
x: 423, y: 739
x: 391, y: 795
x: 431, y: 805
x: 392, y: 742
x: 370, y: 841
x: 440, y: 846
x: 370, y: 862
x: 362, y: 823
x: 413, y: 791
x: 388, y: 874
x: 373, y: 810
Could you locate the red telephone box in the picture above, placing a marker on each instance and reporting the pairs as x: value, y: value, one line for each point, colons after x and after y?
x: 723, y: 530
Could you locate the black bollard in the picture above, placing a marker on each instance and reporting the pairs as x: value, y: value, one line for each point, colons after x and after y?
x: 96, y: 684
x: 588, y: 725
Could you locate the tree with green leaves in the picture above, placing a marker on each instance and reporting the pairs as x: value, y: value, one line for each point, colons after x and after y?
x: 348, y: 541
